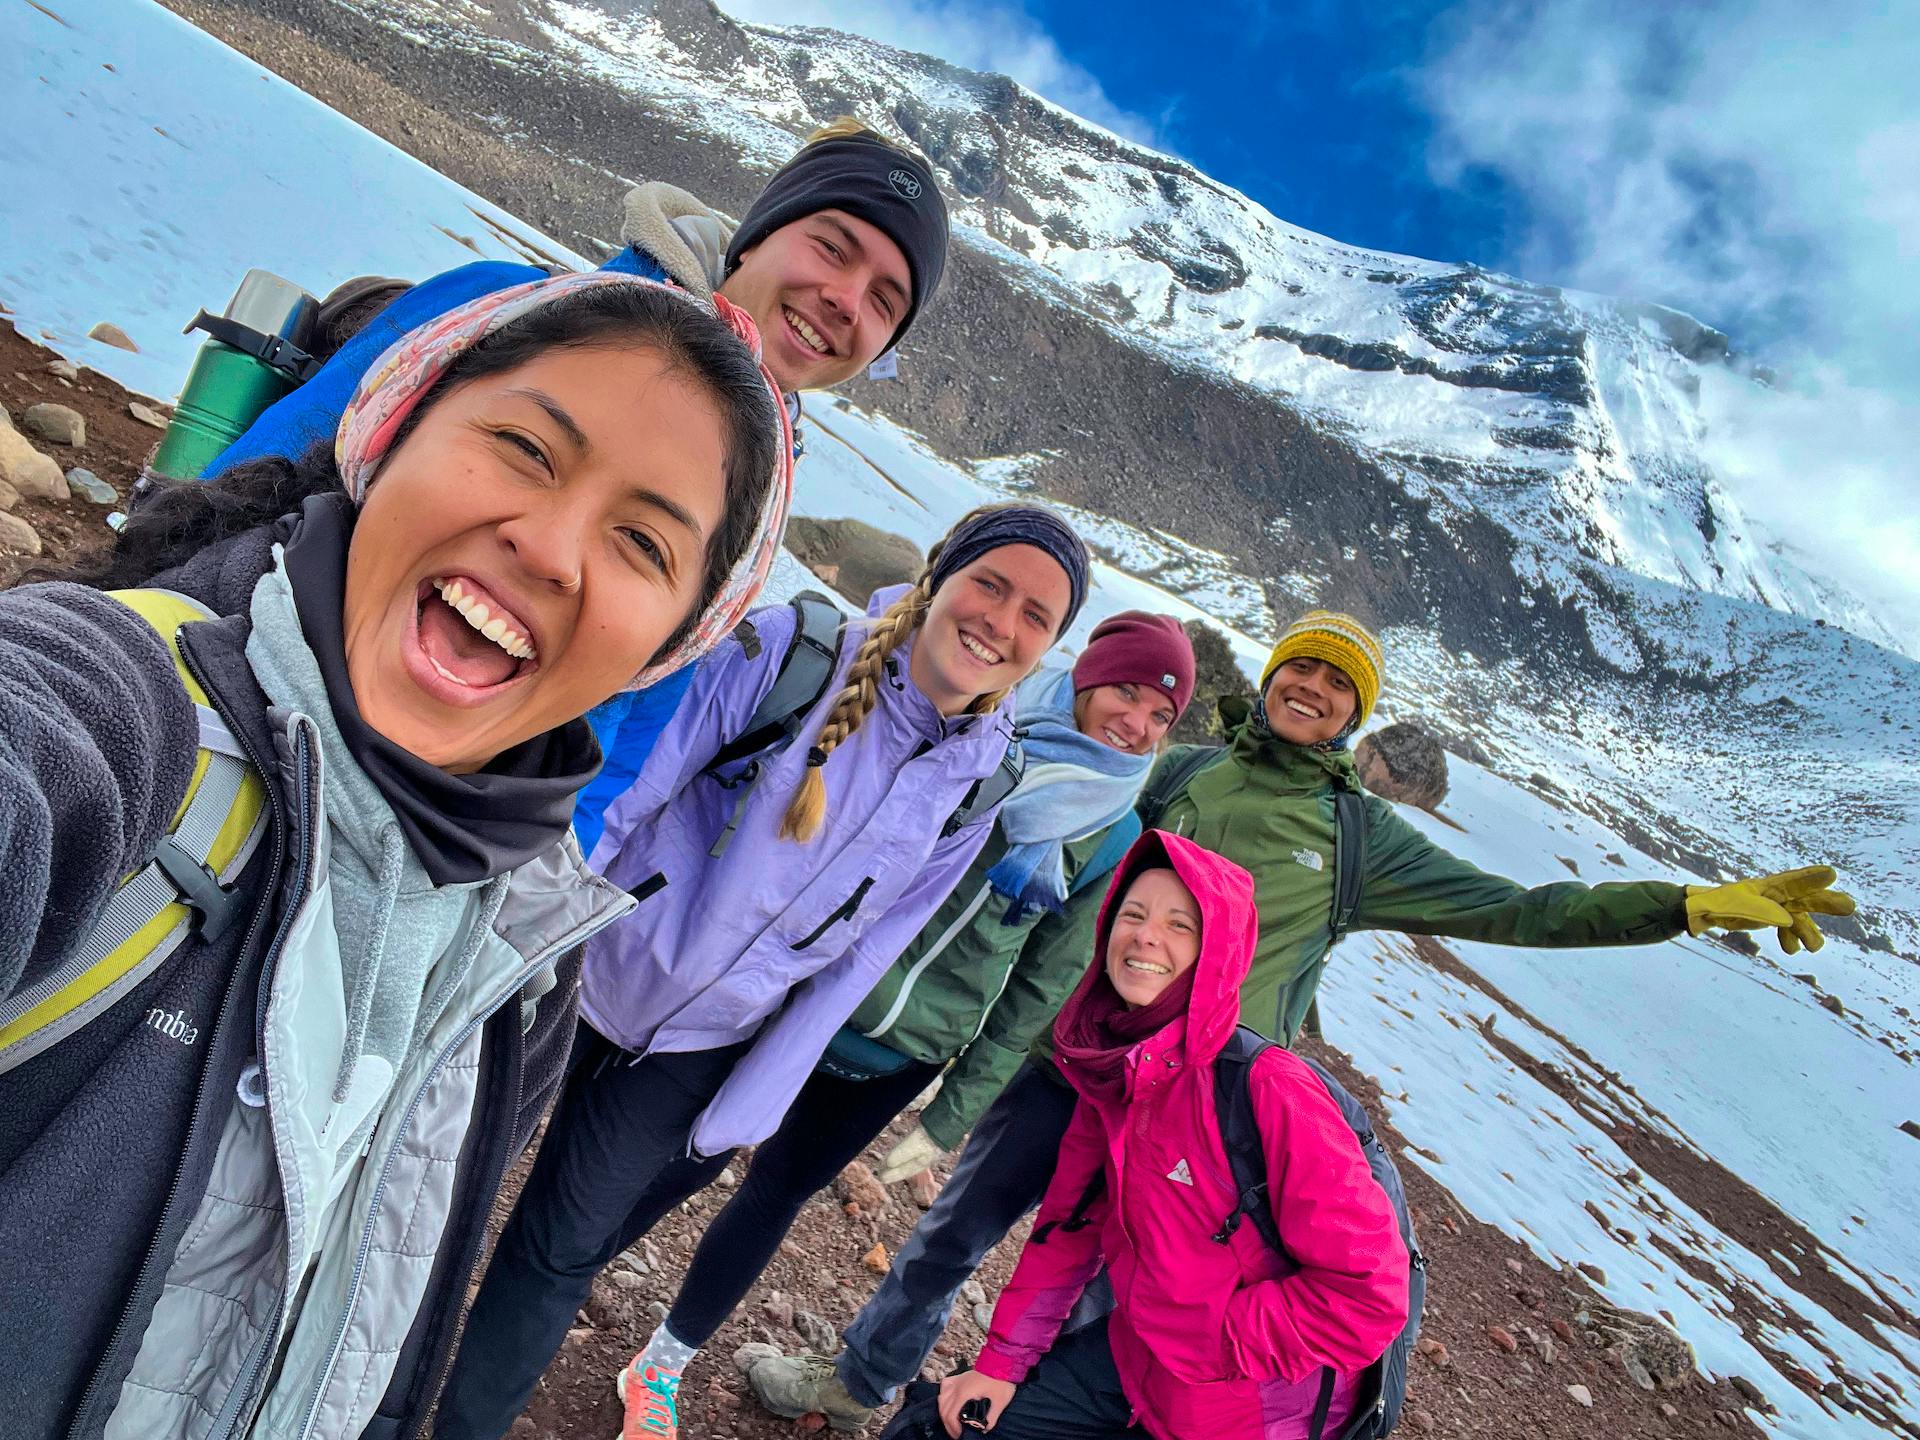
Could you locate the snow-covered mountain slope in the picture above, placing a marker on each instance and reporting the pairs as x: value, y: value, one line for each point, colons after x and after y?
x: 1715, y: 1053
x: 1574, y: 420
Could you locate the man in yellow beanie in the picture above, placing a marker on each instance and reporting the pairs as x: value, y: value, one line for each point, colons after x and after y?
x: 1282, y: 799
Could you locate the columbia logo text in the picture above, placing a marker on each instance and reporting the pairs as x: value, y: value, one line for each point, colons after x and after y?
x: 174, y: 1024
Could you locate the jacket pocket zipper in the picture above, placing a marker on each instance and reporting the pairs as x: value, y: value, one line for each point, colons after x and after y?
x: 846, y: 912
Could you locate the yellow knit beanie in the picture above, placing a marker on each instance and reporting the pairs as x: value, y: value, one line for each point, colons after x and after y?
x: 1339, y: 640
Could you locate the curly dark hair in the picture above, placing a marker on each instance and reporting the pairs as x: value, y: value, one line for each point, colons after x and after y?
x: 175, y: 519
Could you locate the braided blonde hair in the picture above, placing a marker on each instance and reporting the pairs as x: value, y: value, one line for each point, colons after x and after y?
x: 861, y: 693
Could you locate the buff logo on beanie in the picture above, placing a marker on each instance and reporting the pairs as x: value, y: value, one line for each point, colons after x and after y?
x: 906, y: 182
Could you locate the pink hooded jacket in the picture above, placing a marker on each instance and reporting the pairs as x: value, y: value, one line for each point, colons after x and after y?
x: 1212, y: 1341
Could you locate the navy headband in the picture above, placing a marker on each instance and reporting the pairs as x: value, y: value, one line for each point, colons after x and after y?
x: 867, y: 178
x: 1018, y: 525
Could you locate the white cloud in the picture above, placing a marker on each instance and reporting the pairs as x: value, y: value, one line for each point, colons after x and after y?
x: 1753, y: 164
x: 1000, y: 38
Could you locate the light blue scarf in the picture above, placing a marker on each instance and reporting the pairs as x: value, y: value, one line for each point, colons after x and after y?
x: 1073, y: 786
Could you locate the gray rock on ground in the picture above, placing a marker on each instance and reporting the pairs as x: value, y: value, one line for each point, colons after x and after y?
x: 62, y: 424
x: 84, y: 482
x: 63, y: 370
x: 146, y: 415
x: 9, y: 497
x: 852, y: 556
x: 17, y: 536
x: 1403, y: 763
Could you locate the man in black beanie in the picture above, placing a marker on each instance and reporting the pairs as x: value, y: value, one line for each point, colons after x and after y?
x: 837, y: 256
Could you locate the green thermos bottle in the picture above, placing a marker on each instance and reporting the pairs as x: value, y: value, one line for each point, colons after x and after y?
x: 255, y: 353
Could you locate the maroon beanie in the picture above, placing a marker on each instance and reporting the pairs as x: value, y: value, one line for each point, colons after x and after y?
x: 1142, y: 649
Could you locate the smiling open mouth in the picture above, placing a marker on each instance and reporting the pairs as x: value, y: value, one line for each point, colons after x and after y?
x: 810, y: 336
x: 978, y: 650
x: 468, y: 644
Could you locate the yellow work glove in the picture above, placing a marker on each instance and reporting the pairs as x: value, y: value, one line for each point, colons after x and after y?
x: 1786, y: 902
x: 913, y: 1154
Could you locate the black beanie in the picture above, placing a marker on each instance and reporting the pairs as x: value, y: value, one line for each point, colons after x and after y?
x: 868, y: 178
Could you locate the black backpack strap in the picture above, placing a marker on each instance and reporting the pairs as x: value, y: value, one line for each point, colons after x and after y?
x: 1323, y: 1404
x: 1349, y: 858
x: 1077, y: 1219
x: 986, y: 794
x: 1240, y: 1135
x: 1171, y: 776
x: 805, y: 672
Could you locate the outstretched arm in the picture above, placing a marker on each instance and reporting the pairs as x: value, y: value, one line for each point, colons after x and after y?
x: 97, y: 741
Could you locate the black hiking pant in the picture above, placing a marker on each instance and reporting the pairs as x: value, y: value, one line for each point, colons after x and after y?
x: 831, y: 1122
x: 1002, y: 1174
x: 619, y: 1124
x: 1072, y: 1394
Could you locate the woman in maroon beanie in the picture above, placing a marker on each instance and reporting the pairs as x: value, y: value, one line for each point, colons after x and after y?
x: 963, y: 991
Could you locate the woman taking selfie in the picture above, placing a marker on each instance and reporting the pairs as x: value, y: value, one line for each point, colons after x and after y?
x: 248, y: 1143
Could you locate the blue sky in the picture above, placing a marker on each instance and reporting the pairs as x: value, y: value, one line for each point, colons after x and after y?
x: 1313, y: 109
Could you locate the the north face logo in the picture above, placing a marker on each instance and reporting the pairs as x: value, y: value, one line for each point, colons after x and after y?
x: 906, y: 182
x: 1180, y: 1174
x: 174, y: 1024
x: 1309, y: 858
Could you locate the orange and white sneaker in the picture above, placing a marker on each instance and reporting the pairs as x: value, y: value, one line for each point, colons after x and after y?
x: 651, y: 1394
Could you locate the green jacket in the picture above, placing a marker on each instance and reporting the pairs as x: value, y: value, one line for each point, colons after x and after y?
x: 973, y: 986
x: 1268, y: 806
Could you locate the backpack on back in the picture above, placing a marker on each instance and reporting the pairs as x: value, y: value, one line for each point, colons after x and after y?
x: 802, y: 679
x: 1383, y: 1385
x: 183, y: 886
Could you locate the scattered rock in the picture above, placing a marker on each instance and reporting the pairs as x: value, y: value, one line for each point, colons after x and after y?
x: 62, y: 424
x: 983, y: 1317
x: 1670, y: 1411
x: 1503, y: 1338
x: 1750, y: 1392
x: 63, y: 370
x: 1832, y: 1002
x: 624, y: 1279
x: 657, y: 1312
x: 146, y: 415
x: 857, y: 1185
x: 1594, y: 1273
x: 1421, y: 1421
x: 863, y: 558
x: 974, y: 1293
x: 1403, y: 763
x: 36, y: 476
x: 924, y: 1188
x: 726, y: 1179
x: 1562, y: 1329
x: 90, y: 485
x: 1911, y: 1127
x: 1432, y: 1349
x: 1216, y: 672
x: 1582, y: 1396
x: 752, y: 1353
x: 821, y: 1338
x: 876, y: 1259
x: 780, y: 1311
x: 1515, y: 1266
x: 18, y: 536
x: 1727, y: 1419
x: 107, y: 333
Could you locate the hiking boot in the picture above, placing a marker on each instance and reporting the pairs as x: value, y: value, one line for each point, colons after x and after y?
x: 796, y: 1385
x: 651, y: 1395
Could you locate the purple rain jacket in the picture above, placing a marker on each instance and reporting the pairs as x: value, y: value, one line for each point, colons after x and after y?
x: 779, y: 939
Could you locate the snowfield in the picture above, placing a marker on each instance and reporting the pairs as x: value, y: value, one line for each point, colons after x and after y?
x: 158, y: 165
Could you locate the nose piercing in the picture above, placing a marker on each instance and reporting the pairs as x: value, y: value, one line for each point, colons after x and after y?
x: 569, y: 587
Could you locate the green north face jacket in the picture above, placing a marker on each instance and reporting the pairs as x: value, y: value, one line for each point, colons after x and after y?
x: 971, y: 985
x: 1268, y: 806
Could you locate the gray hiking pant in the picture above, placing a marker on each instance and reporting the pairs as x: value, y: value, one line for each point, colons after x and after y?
x: 1001, y: 1175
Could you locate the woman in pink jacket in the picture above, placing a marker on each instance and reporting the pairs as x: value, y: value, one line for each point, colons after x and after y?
x: 1208, y: 1340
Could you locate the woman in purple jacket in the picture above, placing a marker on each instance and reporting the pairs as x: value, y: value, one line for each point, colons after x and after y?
x: 705, y: 1010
